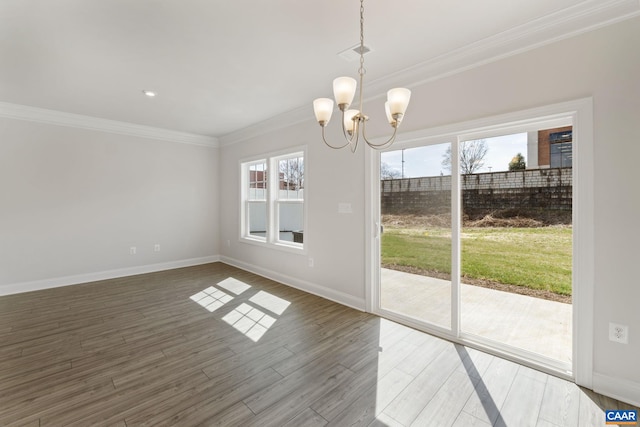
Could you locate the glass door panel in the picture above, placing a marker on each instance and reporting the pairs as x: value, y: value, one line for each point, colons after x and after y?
x: 415, y: 244
x: 516, y: 242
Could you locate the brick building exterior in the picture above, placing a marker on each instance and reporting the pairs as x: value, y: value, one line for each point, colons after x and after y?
x: 550, y: 148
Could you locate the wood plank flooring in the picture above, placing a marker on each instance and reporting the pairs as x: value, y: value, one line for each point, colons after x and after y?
x: 215, y: 345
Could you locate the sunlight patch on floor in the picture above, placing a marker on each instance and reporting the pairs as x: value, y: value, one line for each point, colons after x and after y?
x: 250, y: 321
x: 234, y: 285
x: 270, y: 302
x: 211, y: 298
x: 248, y: 317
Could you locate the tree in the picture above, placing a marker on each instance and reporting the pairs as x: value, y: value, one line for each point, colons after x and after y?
x: 292, y: 173
x: 387, y: 172
x: 472, y: 154
x: 517, y: 163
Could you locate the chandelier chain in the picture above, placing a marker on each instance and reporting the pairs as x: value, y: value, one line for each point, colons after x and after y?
x: 361, y: 71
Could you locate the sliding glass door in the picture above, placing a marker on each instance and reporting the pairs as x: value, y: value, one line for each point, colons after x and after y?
x: 476, y: 239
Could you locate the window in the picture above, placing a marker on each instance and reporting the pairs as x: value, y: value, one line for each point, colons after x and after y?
x: 560, y: 149
x: 556, y: 137
x: 273, y: 209
x: 561, y: 154
x: 290, y: 198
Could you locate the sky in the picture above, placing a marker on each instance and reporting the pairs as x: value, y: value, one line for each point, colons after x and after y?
x: 427, y: 161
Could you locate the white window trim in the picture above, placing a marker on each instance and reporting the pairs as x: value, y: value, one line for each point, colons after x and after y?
x: 271, y: 240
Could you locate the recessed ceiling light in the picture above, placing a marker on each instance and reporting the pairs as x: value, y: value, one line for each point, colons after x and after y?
x: 149, y: 93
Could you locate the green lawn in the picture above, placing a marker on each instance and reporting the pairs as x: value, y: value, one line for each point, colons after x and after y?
x: 538, y: 258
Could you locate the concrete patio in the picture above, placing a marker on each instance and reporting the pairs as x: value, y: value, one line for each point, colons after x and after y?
x: 528, y: 323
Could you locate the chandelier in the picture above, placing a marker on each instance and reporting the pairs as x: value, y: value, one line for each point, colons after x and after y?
x: 354, y: 121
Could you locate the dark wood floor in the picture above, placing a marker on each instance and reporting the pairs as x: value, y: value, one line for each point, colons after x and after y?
x: 214, y: 345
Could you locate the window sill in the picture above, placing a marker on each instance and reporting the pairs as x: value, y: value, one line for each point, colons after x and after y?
x: 295, y: 248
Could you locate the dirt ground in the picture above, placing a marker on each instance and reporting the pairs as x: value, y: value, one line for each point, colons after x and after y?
x: 423, y: 221
x: 503, y: 218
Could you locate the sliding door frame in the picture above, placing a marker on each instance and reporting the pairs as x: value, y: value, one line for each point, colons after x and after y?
x: 580, y: 112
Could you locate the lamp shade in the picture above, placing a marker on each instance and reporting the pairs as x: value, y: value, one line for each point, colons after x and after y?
x: 398, y: 100
x: 348, y: 120
x: 344, y: 89
x: 323, y: 108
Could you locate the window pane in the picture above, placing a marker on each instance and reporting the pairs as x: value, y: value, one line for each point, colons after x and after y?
x: 291, y: 221
x: 291, y: 178
x: 257, y: 213
x: 416, y: 233
x: 516, y: 247
x: 561, y: 155
x: 257, y: 181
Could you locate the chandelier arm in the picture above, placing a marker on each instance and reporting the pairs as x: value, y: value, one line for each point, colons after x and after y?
x: 353, y: 147
x: 383, y: 145
x: 353, y: 143
x: 332, y: 146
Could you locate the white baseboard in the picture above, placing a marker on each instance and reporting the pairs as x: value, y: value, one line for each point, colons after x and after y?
x: 621, y: 389
x: 16, y: 288
x: 303, y: 285
x: 321, y: 291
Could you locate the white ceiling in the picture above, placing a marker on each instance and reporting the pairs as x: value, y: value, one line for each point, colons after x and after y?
x: 222, y: 66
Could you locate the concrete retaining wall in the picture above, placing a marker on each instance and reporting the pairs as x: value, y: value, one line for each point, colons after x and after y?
x: 533, y: 189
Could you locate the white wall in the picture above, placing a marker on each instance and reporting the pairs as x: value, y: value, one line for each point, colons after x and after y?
x: 73, y: 201
x: 604, y: 64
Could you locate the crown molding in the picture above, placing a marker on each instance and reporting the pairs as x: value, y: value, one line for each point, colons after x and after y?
x: 281, y: 121
x: 563, y: 24
x: 59, y: 118
x: 572, y: 21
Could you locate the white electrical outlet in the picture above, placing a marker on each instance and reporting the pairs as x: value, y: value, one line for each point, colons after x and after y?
x: 619, y: 333
x: 156, y: 247
x: 132, y: 250
x: 310, y: 262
